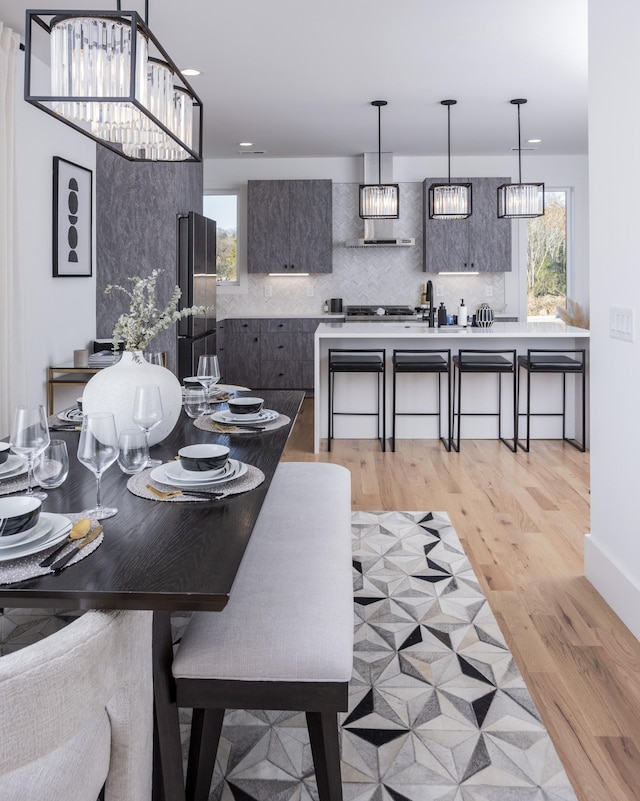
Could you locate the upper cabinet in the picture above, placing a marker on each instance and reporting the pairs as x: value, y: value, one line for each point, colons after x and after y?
x: 481, y: 243
x: 289, y: 227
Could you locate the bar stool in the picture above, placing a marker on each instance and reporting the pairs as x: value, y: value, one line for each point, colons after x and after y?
x: 423, y: 361
x: 484, y: 361
x: 559, y: 362
x: 359, y: 361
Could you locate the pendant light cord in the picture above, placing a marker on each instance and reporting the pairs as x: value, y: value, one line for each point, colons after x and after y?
x: 379, y: 147
x: 449, y: 143
x: 519, y: 149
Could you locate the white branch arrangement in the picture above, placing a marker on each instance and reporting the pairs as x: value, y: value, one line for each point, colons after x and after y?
x: 144, y: 320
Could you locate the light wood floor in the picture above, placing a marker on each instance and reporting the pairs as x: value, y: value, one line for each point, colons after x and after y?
x: 522, y: 519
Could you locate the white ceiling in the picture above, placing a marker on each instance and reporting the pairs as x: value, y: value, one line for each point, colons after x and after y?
x: 296, y: 78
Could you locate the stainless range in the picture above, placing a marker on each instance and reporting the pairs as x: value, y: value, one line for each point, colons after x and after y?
x: 379, y: 314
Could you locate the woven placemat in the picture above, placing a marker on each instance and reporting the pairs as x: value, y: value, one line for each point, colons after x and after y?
x: 14, y: 484
x: 27, y: 567
x: 137, y: 485
x: 205, y: 423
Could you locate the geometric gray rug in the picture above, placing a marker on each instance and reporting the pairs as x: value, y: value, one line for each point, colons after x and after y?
x: 438, y: 709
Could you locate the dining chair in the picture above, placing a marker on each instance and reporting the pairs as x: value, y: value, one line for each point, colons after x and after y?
x: 76, y: 712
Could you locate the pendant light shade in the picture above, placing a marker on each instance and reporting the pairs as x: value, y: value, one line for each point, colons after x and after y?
x: 379, y: 201
x: 106, y: 75
x: 520, y: 200
x: 449, y: 201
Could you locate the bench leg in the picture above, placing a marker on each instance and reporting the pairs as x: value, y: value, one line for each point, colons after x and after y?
x: 325, y: 748
x: 205, y: 734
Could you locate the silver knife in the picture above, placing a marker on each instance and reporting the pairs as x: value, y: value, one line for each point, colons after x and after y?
x: 77, y: 546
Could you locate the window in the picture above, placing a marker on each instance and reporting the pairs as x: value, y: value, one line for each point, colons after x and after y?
x: 223, y: 208
x: 547, y: 257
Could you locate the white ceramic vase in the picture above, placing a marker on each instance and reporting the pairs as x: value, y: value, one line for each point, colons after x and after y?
x: 113, y: 390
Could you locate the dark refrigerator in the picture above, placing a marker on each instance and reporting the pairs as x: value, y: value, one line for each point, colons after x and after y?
x: 196, y: 259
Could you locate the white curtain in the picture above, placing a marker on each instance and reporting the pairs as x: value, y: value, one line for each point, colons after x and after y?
x: 12, y: 351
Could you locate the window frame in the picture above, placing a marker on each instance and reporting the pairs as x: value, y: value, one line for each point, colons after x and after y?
x: 570, y: 248
x: 241, y: 285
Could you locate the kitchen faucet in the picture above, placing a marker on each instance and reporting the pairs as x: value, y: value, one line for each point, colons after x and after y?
x: 432, y: 322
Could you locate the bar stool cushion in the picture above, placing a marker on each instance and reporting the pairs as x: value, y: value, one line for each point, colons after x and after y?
x: 483, y: 363
x: 550, y: 362
x: 356, y: 362
x: 290, y: 613
x: 419, y: 363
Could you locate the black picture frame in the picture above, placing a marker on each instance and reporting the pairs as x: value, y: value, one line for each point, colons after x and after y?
x: 72, y: 220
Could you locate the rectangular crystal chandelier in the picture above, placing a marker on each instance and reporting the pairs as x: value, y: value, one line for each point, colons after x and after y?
x: 380, y: 201
x: 450, y: 201
x: 520, y: 200
x: 105, y: 74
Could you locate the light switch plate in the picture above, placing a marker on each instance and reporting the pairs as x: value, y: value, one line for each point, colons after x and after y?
x: 268, y: 291
x: 621, y: 323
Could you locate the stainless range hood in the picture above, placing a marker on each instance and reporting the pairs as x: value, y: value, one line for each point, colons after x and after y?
x: 378, y: 233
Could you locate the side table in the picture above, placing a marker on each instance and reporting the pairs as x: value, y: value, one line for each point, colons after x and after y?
x: 67, y: 376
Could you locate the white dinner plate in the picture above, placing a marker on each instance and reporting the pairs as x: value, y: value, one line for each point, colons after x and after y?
x: 71, y: 415
x: 14, y: 466
x: 42, y: 527
x: 61, y: 526
x: 176, y: 470
x: 265, y: 416
x: 160, y: 474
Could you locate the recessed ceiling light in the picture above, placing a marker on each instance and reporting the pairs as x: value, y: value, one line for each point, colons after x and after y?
x: 245, y: 144
x: 190, y: 72
x: 534, y: 141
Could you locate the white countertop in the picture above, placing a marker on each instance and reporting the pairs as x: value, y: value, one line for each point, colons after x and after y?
x: 413, y: 330
x: 265, y: 316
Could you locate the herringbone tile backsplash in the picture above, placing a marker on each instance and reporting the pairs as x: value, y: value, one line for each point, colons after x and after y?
x: 365, y: 275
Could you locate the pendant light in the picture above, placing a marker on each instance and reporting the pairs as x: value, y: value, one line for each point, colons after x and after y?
x: 449, y: 201
x: 109, y: 78
x: 379, y: 201
x: 520, y: 200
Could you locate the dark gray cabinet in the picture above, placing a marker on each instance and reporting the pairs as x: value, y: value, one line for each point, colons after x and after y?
x: 289, y: 226
x: 481, y: 243
x: 238, y: 346
x: 268, y: 353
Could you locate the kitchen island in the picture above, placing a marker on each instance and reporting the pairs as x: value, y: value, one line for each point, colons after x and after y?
x: 416, y: 392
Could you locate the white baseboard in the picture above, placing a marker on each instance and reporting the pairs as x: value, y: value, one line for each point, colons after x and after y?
x: 613, y: 583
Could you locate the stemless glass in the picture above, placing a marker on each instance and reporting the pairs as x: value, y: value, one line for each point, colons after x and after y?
x: 133, y: 453
x: 52, y: 466
x: 29, y: 438
x: 208, y: 371
x: 98, y: 450
x: 148, y: 412
x: 195, y: 401
x: 154, y: 357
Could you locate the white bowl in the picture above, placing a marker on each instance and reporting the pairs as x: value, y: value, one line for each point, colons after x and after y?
x: 238, y: 406
x: 203, y: 457
x: 4, y: 451
x: 17, y: 516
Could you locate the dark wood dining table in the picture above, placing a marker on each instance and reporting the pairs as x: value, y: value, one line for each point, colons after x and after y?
x: 163, y: 556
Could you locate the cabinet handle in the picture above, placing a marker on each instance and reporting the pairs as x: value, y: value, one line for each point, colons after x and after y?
x: 280, y: 325
x: 280, y: 347
x: 255, y: 339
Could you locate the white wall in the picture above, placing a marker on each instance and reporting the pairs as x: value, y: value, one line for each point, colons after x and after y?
x: 61, y: 312
x: 612, y: 552
x: 556, y: 171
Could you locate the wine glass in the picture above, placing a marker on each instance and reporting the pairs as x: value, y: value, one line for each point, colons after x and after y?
x: 29, y: 438
x: 52, y: 466
x: 208, y: 371
x: 154, y: 357
x: 148, y: 412
x: 133, y: 453
x: 98, y: 450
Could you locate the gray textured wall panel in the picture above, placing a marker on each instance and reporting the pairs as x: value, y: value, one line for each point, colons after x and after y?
x: 136, y: 207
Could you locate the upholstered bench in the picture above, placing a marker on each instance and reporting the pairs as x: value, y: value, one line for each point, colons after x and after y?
x: 285, y: 639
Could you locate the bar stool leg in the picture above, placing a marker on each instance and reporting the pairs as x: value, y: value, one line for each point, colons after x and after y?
x: 384, y: 407
x: 393, y: 413
x: 330, y: 405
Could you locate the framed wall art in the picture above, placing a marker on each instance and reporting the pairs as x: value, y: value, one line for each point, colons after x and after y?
x: 72, y: 219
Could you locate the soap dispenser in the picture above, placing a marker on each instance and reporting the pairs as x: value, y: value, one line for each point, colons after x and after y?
x: 462, y: 314
x: 442, y: 315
